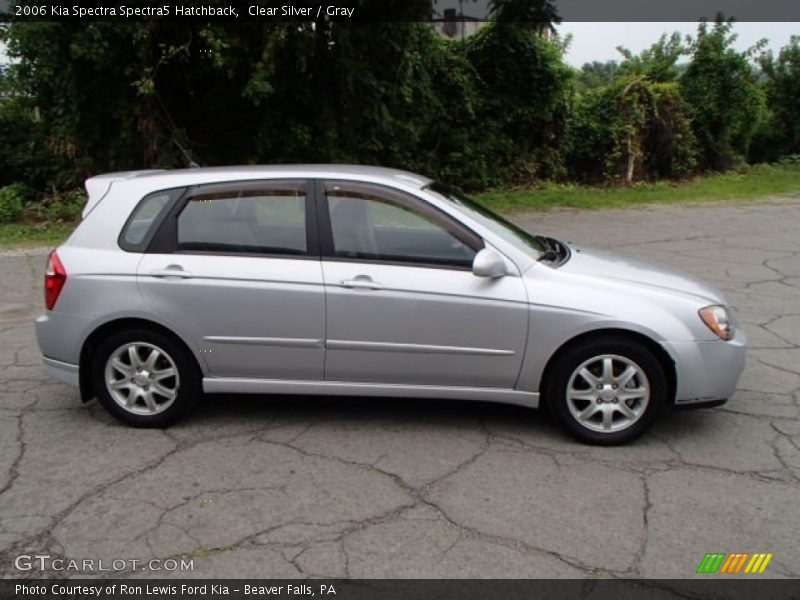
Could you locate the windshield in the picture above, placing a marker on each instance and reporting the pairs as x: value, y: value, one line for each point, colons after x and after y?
x: 491, y: 220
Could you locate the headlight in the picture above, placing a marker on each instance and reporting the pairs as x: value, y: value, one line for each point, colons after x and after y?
x: 719, y: 320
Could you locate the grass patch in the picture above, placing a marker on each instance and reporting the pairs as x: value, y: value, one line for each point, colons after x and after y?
x: 22, y: 235
x: 754, y: 182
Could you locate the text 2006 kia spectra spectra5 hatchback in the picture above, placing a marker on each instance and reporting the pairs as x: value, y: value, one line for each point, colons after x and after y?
x: 332, y: 279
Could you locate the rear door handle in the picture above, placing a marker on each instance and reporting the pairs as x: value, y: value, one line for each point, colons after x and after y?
x: 171, y: 271
x: 363, y: 282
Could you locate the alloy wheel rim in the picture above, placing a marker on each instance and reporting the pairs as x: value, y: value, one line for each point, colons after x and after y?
x: 608, y: 393
x: 142, y: 378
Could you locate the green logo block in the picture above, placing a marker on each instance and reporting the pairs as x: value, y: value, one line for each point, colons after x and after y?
x: 711, y: 562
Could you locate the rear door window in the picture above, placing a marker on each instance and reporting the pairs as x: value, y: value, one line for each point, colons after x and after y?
x: 260, y: 219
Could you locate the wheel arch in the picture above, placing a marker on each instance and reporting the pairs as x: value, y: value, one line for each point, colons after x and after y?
x: 663, y: 357
x: 109, y: 328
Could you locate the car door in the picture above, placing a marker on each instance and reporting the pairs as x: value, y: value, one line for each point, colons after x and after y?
x: 402, y: 303
x: 235, y: 270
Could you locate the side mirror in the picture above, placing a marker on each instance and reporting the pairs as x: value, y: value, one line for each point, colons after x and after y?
x: 488, y: 263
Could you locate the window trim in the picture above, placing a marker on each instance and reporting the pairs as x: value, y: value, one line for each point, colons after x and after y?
x: 165, y: 240
x: 143, y: 246
x: 404, y: 199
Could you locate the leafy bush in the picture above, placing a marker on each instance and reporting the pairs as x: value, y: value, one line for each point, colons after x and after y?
x: 66, y: 207
x: 12, y: 201
x: 498, y: 108
x: 630, y: 130
x: 489, y: 110
x: 58, y: 207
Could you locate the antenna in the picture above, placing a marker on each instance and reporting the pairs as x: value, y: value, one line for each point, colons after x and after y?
x: 192, y: 164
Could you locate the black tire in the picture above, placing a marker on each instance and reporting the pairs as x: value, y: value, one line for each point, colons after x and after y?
x: 572, y: 358
x: 188, y: 381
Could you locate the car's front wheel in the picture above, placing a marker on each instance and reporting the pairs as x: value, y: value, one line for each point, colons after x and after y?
x: 144, y: 378
x: 608, y: 390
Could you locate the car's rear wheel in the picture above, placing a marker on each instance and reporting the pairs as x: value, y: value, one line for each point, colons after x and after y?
x: 608, y: 390
x: 144, y: 378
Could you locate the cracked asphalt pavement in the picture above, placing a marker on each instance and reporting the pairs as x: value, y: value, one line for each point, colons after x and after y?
x: 286, y: 487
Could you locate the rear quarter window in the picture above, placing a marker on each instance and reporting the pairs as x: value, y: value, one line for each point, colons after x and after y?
x: 145, y: 218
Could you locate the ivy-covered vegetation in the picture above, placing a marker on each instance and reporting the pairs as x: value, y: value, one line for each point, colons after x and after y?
x: 499, y: 108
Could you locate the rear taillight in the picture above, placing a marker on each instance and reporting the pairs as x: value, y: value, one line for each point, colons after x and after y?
x: 54, y: 279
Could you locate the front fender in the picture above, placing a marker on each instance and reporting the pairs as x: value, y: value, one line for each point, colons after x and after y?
x: 565, y: 306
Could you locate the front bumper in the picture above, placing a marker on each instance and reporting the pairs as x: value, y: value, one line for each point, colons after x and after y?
x: 707, y: 372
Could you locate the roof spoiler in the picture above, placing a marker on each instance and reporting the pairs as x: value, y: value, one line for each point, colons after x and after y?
x: 98, y: 186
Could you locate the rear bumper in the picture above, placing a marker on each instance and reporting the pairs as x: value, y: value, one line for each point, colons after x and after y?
x: 65, y: 372
x: 60, y: 335
x: 707, y: 372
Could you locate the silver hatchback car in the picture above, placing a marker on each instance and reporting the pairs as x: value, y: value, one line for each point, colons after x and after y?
x: 348, y: 280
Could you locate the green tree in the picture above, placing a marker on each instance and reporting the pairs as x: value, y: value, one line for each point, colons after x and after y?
x: 541, y: 14
x: 595, y: 74
x: 526, y: 90
x: 722, y: 89
x: 111, y: 95
x: 781, y: 132
x: 631, y: 121
x: 658, y: 62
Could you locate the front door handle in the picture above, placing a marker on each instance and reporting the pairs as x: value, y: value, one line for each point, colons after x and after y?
x: 171, y: 271
x: 363, y: 282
